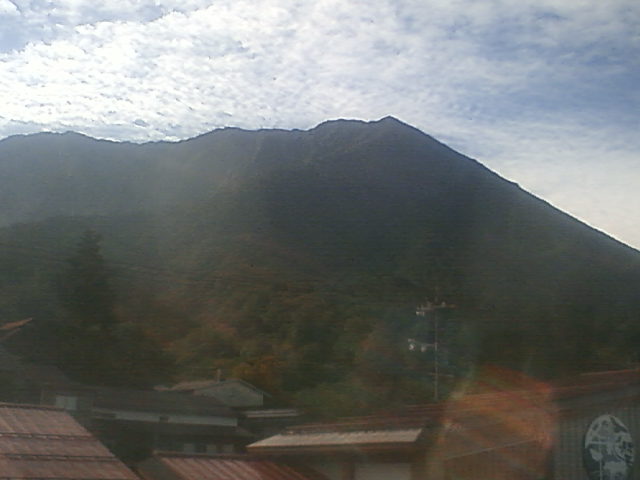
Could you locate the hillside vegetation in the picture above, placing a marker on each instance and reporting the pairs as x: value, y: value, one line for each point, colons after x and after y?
x: 295, y: 259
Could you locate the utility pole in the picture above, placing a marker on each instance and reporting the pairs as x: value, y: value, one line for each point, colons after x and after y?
x: 431, y: 310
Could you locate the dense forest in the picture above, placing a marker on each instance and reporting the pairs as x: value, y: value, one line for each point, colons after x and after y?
x: 296, y: 260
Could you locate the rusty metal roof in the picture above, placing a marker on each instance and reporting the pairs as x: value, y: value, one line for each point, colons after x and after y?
x: 38, y: 442
x: 221, y: 467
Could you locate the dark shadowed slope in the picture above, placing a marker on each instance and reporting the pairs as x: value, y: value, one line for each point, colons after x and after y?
x: 297, y: 249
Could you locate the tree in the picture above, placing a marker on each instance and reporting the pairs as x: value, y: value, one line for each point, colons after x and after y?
x: 96, y: 346
x: 87, y: 293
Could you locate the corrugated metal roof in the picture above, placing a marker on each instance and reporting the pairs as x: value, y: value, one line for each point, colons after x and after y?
x: 51, y: 445
x: 62, y: 468
x: 337, y: 439
x: 31, y: 420
x: 223, y: 467
x: 38, y: 442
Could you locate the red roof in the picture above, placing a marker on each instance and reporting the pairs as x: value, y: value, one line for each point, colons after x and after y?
x: 220, y: 467
x: 38, y: 442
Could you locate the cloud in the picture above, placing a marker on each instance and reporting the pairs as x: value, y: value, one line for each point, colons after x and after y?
x: 8, y: 9
x: 513, y: 84
x: 591, y: 173
x: 279, y: 63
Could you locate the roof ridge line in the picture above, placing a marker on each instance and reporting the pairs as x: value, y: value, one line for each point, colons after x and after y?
x: 30, y: 406
x: 59, y: 436
x: 53, y: 457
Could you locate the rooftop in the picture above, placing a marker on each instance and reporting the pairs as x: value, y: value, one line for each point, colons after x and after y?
x: 469, y: 422
x: 191, y: 386
x: 372, y: 438
x: 221, y: 467
x: 43, y: 443
x: 266, y: 413
x: 159, y: 402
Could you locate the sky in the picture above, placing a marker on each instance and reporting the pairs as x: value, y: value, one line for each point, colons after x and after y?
x: 544, y: 92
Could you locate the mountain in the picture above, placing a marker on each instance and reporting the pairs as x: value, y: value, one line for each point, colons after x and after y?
x: 43, y: 175
x: 293, y: 255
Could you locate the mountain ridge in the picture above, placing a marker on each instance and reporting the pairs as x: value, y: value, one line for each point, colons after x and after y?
x: 303, y: 247
x: 389, y: 125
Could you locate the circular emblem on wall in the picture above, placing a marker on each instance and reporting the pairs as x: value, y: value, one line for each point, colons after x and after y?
x: 608, y: 449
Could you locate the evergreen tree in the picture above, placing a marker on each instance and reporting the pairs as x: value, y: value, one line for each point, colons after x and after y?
x: 88, y: 295
x: 97, y: 346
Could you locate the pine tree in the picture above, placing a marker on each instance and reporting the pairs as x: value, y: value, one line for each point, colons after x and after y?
x: 97, y: 346
x: 87, y: 332
x: 88, y: 295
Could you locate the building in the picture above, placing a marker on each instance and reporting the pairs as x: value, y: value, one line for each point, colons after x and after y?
x: 264, y: 422
x: 374, y: 447
x: 39, y: 442
x: 25, y: 382
x: 253, y: 405
x: 131, y: 422
x: 173, y: 466
x: 582, y: 428
x: 135, y: 422
x: 233, y: 392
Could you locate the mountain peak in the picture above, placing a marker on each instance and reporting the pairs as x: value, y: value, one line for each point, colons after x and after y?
x: 389, y: 119
x: 341, y: 122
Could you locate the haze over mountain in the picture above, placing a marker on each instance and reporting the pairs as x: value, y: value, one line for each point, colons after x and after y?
x: 293, y: 252
x: 60, y: 174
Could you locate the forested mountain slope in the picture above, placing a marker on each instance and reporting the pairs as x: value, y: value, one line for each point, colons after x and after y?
x: 296, y: 258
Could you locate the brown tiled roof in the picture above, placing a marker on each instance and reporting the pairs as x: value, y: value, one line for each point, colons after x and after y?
x: 38, y: 442
x: 221, y: 467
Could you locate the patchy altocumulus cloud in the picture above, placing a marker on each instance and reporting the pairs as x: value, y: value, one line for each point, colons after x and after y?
x: 543, y: 91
